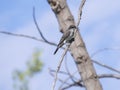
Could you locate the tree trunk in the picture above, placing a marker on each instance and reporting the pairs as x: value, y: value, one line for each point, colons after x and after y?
x: 77, y: 48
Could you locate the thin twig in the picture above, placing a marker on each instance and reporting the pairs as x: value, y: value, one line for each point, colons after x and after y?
x: 61, y: 72
x: 80, y: 11
x: 104, y: 49
x: 21, y: 35
x: 65, y: 81
x: 68, y: 71
x: 78, y: 83
x: 101, y: 64
x: 71, y: 76
x: 29, y: 37
x: 69, y: 86
x: 106, y: 66
x: 62, y: 81
x: 39, y: 30
x: 101, y: 76
x: 58, y: 68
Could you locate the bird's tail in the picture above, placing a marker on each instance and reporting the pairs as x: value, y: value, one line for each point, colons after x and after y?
x: 56, y: 50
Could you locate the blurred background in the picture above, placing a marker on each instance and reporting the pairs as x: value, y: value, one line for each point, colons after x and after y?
x: 25, y: 63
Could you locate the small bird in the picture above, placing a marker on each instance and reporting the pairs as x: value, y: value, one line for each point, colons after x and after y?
x: 68, y: 37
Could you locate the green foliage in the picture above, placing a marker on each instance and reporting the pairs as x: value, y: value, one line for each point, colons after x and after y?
x: 22, y: 78
x: 35, y: 65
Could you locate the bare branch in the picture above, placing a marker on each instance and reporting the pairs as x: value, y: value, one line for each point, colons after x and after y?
x: 59, y: 65
x: 101, y: 76
x: 39, y: 30
x: 29, y: 37
x: 78, y: 83
x: 21, y: 35
x: 69, y: 86
x: 109, y: 76
x: 71, y: 76
x: 104, y: 49
x: 62, y: 81
x: 80, y: 11
x: 61, y: 72
x: 68, y: 71
x: 101, y: 64
x: 36, y: 24
x: 106, y: 66
x: 65, y: 81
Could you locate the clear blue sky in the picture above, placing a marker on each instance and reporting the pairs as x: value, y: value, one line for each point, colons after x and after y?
x: 100, y: 28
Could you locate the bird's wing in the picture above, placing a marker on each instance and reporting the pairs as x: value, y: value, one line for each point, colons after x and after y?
x: 64, y: 37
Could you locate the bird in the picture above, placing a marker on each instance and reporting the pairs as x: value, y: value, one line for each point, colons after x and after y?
x: 67, y: 37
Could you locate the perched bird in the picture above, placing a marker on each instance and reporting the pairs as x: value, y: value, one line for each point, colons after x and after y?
x: 67, y: 37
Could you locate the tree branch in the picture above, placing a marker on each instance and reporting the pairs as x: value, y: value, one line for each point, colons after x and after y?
x: 109, y: 76
x: 101, y: 76
x: 59, y: 65
x: 68, y: 71
x: 80, y: 11
x: 31, y: 37
x: 65, y: 81
x: 62, y: 81
x: 39, y: 30
x: 104, y: 49
x: 73, y: 84
x: 61, y: 72
x: 106, y: 66
x: 27, y: 36
x: 21, y: 35
x: 76, y: 83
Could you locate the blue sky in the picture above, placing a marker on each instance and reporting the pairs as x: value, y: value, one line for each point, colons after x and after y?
x: 100, y: 28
